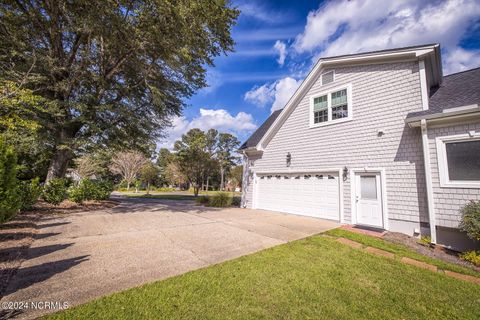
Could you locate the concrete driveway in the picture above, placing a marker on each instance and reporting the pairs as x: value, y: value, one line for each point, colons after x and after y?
x: 78, y: 257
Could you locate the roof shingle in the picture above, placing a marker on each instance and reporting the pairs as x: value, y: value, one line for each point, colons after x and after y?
x: 260, y: 132
x: 457, y: 90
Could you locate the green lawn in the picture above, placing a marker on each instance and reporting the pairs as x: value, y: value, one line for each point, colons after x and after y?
x: 400, y: 251
x: 314, y: 278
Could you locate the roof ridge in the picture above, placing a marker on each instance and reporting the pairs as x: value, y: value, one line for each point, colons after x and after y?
x: 379, y: 51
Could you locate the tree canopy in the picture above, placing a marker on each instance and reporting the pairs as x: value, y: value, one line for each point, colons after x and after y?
x: 107, y: 72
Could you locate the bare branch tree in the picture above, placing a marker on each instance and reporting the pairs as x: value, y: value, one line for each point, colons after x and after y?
x: 128, y: 165
x: 86, y: 166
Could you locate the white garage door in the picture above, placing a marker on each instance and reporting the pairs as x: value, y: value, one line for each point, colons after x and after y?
x: 315, y: 195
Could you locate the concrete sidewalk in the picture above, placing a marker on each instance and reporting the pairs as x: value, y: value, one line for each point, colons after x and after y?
x: 76, y: 258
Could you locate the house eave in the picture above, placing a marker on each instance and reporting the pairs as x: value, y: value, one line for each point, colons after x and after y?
x: 251, y: 151
x: 466, y: 113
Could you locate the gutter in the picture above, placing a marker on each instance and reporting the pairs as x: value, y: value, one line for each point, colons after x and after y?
x: 458, y: 113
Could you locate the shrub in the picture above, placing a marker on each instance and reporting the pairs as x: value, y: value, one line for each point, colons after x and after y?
x: 55, y: 191
x: 471, y: 256
x: 103, y: 190
x: 202, y: 200
x: 470, y: 222
x: 30, y: 191
x: 9, y: 196
x: 220, y: 199
x: 90, y: 190
x: 425, y: 240
x: 236, y: 201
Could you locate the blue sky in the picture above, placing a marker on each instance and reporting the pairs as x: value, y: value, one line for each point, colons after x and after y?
x: 278, y: 41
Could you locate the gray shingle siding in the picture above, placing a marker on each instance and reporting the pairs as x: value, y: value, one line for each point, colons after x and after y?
x: 382, y: 96
x: 448, y: 201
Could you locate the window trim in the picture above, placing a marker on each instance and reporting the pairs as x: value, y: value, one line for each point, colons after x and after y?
x: 445, y: 181
x: 328, y: 93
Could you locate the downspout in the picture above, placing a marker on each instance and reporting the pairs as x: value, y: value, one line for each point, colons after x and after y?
x: 426, y: 152
x: 244, y: 174
x: 428, y: 179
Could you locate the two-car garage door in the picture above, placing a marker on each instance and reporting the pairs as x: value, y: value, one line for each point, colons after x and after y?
x: 315, y: 195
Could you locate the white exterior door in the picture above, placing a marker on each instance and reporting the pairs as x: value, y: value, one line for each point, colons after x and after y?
x: 313, y: 194
x: 368, y: 199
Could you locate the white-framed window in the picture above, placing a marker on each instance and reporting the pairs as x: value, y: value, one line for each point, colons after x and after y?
x: 330, y: 107
x: 459, y: 160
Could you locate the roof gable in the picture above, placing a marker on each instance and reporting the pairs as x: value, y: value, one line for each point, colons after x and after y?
x: 272, y: 124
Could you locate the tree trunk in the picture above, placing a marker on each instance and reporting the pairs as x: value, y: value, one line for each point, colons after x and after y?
x: 58, y: 164
x: 63, y: 155
x: 148, y: 187
x: 222, y: 173
x: 128, y: 185
x: 196, y: 188
x: 208, y: 178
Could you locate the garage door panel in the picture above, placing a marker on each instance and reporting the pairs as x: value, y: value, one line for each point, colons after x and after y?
x: 307, y: 194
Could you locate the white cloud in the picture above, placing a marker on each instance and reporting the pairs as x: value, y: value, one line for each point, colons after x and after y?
x: 241, y: 125
x: 261, y: 96
x: 460, y: 60
x: 261, y: 13
x: 284, y: 90
x: 342, y: 27
x: 281, y: 48
x: 278, y: 93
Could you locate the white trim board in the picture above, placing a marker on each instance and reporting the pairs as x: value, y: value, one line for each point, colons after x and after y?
x: 383, y: 179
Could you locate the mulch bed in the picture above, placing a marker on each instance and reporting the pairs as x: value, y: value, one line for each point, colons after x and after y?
x: 17, y: 235
x: 437, y: 252
x: 72, y: 207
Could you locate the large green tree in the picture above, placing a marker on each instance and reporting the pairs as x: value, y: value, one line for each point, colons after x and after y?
x: 192, y: 158
x: 113, y: 71
x: 227, y: 146
x: 164, y: 158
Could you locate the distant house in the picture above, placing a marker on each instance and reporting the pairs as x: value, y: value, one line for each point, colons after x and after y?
x: 379, y: 139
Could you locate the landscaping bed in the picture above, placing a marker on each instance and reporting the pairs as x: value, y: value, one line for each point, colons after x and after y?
x: 437, y: 252
x: 68, y: 206
x: 316, y: 278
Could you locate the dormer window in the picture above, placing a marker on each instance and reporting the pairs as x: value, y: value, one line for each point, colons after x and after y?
x: 331, y: 107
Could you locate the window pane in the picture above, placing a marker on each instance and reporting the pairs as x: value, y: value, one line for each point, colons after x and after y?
x: 320, y: 103
x: 463, y: 159
x: 339, y: 97
x: 339, y: 112
x: 320, y: 116
x: 368, y: 187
